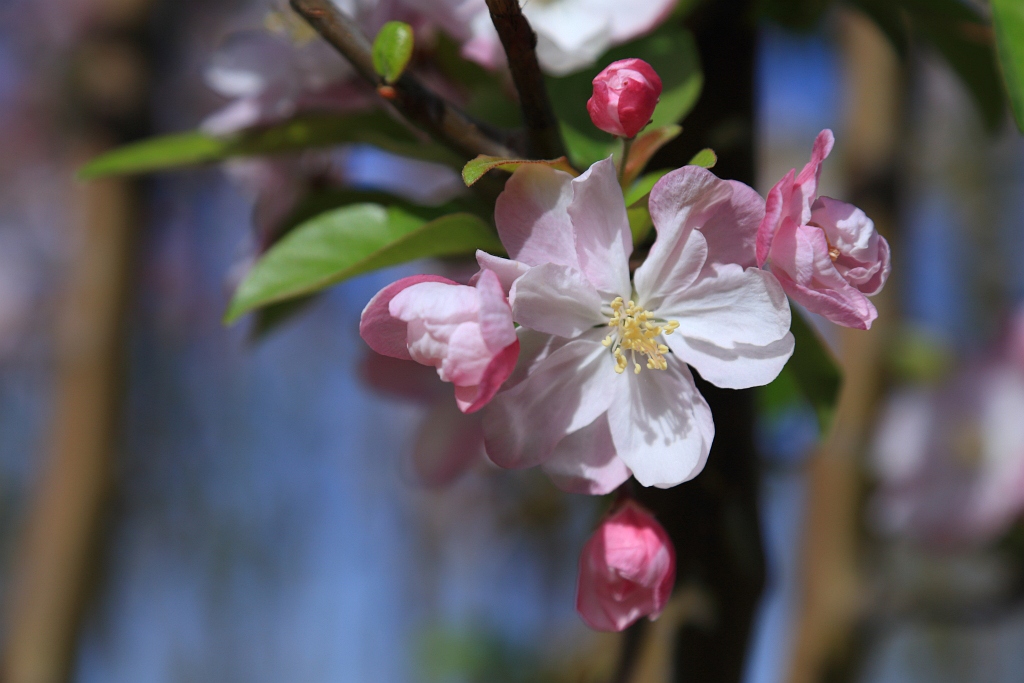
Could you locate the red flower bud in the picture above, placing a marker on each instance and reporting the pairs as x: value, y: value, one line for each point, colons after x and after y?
x: 625, y: 95
x: 627, y: 570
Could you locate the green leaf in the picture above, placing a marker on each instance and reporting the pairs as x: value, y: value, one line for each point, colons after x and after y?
x: 392, y: 50
x: 671, y: 51
x: 194, y: 148
x: 1008, y: 21
x: 705, y: 158
x: 640, y: 223
x: 350, y: 241
x: 474, y: 170
x: 584, y: 151
x: 815, y: 371
x: 645, y: 147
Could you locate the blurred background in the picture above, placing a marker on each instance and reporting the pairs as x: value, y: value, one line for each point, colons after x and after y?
x: 181, y: 502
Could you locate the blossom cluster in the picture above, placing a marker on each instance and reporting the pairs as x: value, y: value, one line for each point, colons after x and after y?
x: 579, y: 359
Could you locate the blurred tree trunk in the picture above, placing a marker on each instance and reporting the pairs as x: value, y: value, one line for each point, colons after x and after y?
x: 713, y: 520
x: 826, y: 645
x: 106, y: 98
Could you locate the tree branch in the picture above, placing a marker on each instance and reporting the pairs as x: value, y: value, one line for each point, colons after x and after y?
x: 544, y: 137
x: 411, y: 98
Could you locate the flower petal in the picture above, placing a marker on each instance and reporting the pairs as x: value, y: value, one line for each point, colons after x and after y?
x: 732, y: 306
x: 383, y: 332
x: 802, y: 265
x: 603, y: 239
x: 670, y: 268
x: 556, y: 300
x: 739, y: 367
x: 585, y: 461
x: 565, y: 392
x: 661, y: 425
x: 472, y: 398
x: 532, y: 219
x: 496, y: 325
x: 682, y: 200
x: 507, y: 270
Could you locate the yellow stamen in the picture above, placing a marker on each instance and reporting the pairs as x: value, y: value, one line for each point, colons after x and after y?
x: 637, y: 332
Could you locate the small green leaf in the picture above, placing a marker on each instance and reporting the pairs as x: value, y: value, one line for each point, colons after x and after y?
x: 1008, y: 21
x: 645, y: 147
x: 583, y: 151
x: 195, y: 148
x: 350, y: 241
x: 705, y: 158
x: 474, y: 170
x: 392, y: 50
x: 815, y: 371
x: 640, y: 223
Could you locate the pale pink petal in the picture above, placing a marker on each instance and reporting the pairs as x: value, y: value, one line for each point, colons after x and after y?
x: 472, y: 398
x: 683, y: 200
x: 565, y: 392
x: 603, y: 239
x: 383, y: 332
x: 534, y: 347
x: 508, y: 271
x: 462, y: 361
x: 863, y: 254
x: 661, y: 425
x: 801, y: 262
x: 739, y: 367
x: 496, y: 325
x: 532, y: 217
x: 731, y: 230
x: 556, y: 300
x: 732, y: 306
x: 775, y: 206
x: 585, y: 461
x: 670, y: 268
x: 434, y: 312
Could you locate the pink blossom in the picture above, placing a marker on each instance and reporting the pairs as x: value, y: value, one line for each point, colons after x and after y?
x: 465, y: 332
x: 698, y: 300
x: 625, y: 95
x: 448, y: 442
x: 825, y: 253
x: 627, y: 570
x: 950, y: 461
x: 571, y: 34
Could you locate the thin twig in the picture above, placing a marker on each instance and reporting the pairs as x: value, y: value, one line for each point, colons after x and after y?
x: 543, y: 134
x: 408, y: 95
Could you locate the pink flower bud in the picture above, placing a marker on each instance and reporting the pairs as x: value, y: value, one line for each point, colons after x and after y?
x: 625, y: 95
x: 466, y: 333
x: 627, y: 570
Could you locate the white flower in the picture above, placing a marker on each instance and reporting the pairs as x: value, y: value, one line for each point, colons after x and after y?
x: 602, y: 387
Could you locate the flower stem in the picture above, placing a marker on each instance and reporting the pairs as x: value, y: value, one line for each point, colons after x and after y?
x: 627, y: 144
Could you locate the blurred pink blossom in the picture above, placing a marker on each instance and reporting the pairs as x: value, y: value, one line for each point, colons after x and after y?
x: 825, y: 253
x: 627, y: 570
x: 950, y: 460
x: 448, y: 441
x: 571, y: 34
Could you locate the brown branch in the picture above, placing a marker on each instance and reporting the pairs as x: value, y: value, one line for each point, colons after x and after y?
x: 408, y: 95
x: 543, y: 134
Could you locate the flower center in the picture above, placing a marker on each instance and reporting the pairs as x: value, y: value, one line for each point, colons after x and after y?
x: 636, y: 332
